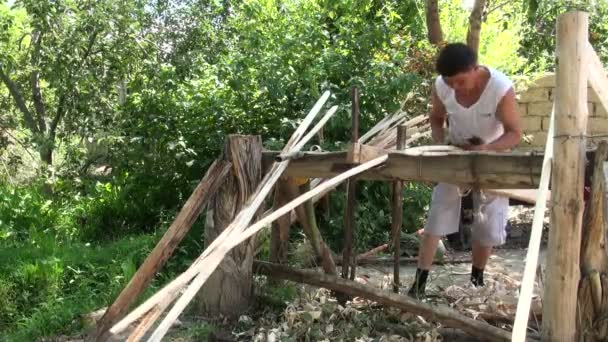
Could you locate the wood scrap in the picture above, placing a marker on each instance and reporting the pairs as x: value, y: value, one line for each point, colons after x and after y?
x: 442, y: 314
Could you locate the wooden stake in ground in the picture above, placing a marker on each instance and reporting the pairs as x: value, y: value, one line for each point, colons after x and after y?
x: 228, y: 290
x: 563, y: 252
x: 349, y: 265
x: 439, y: 313
x: 397, y: 212
x: 164, y: 248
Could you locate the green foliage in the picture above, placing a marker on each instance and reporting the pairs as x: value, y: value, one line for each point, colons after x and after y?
x: 538, y: 41
x: 373, y: 213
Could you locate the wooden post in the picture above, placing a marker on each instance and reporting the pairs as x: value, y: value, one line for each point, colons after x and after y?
x: 349, y: 265
x: 563, y: 254
x: 397, y: 214
x: 164, y: 248
x: 228, y: 290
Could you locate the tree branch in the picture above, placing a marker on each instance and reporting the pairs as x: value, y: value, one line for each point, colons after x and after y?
x: 17, y: 95
x: 58, y: 116
x: 35, y: 82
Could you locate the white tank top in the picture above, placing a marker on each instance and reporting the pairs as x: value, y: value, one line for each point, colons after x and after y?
x: 478, y: 120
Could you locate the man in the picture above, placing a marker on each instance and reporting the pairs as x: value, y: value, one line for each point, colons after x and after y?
x: 479, y: 104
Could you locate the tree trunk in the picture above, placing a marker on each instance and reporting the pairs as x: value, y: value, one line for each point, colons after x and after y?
x: 475, y: 25
x: 433, y: 23
x: 568, y: 174
x: 228, y: 290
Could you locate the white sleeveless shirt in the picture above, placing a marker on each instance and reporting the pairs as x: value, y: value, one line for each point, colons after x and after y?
x: 478, y: 120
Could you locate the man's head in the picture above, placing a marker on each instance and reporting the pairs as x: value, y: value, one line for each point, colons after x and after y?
x: 457, y: 64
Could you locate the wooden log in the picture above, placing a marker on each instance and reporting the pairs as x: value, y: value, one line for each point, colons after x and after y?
x: 597, y: 76
x: 438, y: 313
x: 493, y: 170
x: 593, y: 254
x: 348, y: 269
x: 165, y: 247
x: 374, y: 260
x: 563, y: 253
x: 520, y: 327
x: 244, y: 217
x: 228, y: 290
x: 397, y: 213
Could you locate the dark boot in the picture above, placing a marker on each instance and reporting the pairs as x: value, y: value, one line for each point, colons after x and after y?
x: 418, y: 287
x: 477, y: 276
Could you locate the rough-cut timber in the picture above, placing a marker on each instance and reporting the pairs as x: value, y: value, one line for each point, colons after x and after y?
x: 164, y: 248
x: 228, y: 290
x: 438, y: 313
x: 563, y: 252
x: 516, y: 170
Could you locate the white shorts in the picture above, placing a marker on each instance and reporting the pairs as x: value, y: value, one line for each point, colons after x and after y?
x: 489, y: 226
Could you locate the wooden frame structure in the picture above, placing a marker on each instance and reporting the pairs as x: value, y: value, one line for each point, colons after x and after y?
x: 380, y: 154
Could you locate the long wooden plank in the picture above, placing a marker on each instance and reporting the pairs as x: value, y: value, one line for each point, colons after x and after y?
x: 484, y: 169
x: 164, y: 248
x: 563, y: 252
x: 439, y: 313
x: 527, y: 285
x: 210, y: 263
x: 597, y: 76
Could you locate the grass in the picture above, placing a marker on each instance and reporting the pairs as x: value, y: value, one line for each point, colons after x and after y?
x: 46, y: 287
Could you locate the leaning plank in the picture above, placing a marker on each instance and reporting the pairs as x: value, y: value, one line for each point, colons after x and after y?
x: 210, y: 261
x: 597, y: 76
x: 241, y: 221
x: 164, y: 248
x: 527, y: 286
x: 442, y: 314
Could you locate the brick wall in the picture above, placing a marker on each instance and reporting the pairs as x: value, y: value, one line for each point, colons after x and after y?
x: 535, y: 104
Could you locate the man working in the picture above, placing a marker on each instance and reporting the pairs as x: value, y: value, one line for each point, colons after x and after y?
x: 479, y: 104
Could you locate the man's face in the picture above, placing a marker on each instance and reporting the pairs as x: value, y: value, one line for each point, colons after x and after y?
x: 463, y: 81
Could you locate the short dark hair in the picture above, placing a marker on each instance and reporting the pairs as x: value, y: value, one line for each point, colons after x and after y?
x: 455, y: 58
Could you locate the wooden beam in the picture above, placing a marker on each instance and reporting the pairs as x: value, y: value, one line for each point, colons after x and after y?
x: 563, y: 252
x: 438, y: 313
x: 164, y: 248
x: 397, y: 213
x: 597, y: 76
x: 517, y: 170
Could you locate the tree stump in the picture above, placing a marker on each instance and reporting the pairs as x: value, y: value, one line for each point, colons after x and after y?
x: 228, y: 291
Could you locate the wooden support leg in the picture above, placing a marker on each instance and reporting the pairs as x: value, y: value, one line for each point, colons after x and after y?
x: 397, y: 212
x: 563, y: 252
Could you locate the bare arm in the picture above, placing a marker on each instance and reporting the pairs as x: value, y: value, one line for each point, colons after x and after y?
x: 508, y: 114
x: 437, y: 118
